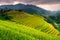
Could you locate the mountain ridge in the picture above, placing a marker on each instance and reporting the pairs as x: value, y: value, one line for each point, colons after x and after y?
x: 27, y: 8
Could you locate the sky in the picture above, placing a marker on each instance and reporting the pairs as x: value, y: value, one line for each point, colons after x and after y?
x: 46, y: 4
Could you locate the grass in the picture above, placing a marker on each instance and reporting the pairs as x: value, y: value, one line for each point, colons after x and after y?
x: 34, y: 21
x: 24, y: 26
x: 13, y: 31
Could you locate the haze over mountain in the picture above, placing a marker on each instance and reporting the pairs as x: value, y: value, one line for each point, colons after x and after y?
x: 46, y: 4
x: 27, y: 8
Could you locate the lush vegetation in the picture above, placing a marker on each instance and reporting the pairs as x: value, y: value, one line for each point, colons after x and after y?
x: 34, y: 21
x: 24, y: 26
x: 13, y: 31
x: 54, y: 20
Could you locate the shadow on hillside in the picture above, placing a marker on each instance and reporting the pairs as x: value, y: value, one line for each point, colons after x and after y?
x: 9, y: 19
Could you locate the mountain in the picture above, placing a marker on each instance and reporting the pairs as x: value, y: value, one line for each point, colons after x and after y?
x: 56, y: 16
x: 27, y: 8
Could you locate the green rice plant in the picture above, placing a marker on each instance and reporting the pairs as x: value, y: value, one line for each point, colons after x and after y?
x: 13, y: 31
x: 33, y: 21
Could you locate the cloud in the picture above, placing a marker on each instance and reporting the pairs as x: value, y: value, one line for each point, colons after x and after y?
x: 50, y: 7
x: 33, y: 1
x: 41, y: 1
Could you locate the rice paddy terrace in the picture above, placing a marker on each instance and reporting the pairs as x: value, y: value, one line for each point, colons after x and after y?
x: 27, y: 27
x: 33, y: 21
x: 13, y: 31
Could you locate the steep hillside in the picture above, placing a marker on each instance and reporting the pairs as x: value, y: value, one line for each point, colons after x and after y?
x: 13, y: 31
x: 54, y: 19
x: 33, y: 21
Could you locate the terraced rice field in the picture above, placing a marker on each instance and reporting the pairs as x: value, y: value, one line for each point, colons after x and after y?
x: 13, y: 31
x: 36, y: 22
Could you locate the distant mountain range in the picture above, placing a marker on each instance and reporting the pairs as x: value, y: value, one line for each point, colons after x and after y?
x: 30, y: 9
x: 27, y: 8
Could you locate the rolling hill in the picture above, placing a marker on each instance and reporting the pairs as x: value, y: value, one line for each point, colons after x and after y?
x: 34, y: 21
x: 13, y: 31
x: 28, y: 22
x: 25, y: 26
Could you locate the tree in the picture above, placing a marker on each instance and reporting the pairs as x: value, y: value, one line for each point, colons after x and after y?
x: 4, y: 14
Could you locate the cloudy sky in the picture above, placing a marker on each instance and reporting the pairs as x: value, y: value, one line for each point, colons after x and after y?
x: 46, y: 4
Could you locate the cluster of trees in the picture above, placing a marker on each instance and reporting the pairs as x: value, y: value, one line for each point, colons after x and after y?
x: 4, y: 14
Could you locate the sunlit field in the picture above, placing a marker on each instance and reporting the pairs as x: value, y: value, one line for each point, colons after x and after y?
x: 25, y: 26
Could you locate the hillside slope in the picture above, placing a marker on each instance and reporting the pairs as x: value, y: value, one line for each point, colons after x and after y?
x: 13, y: 31
x: 34, y: 21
